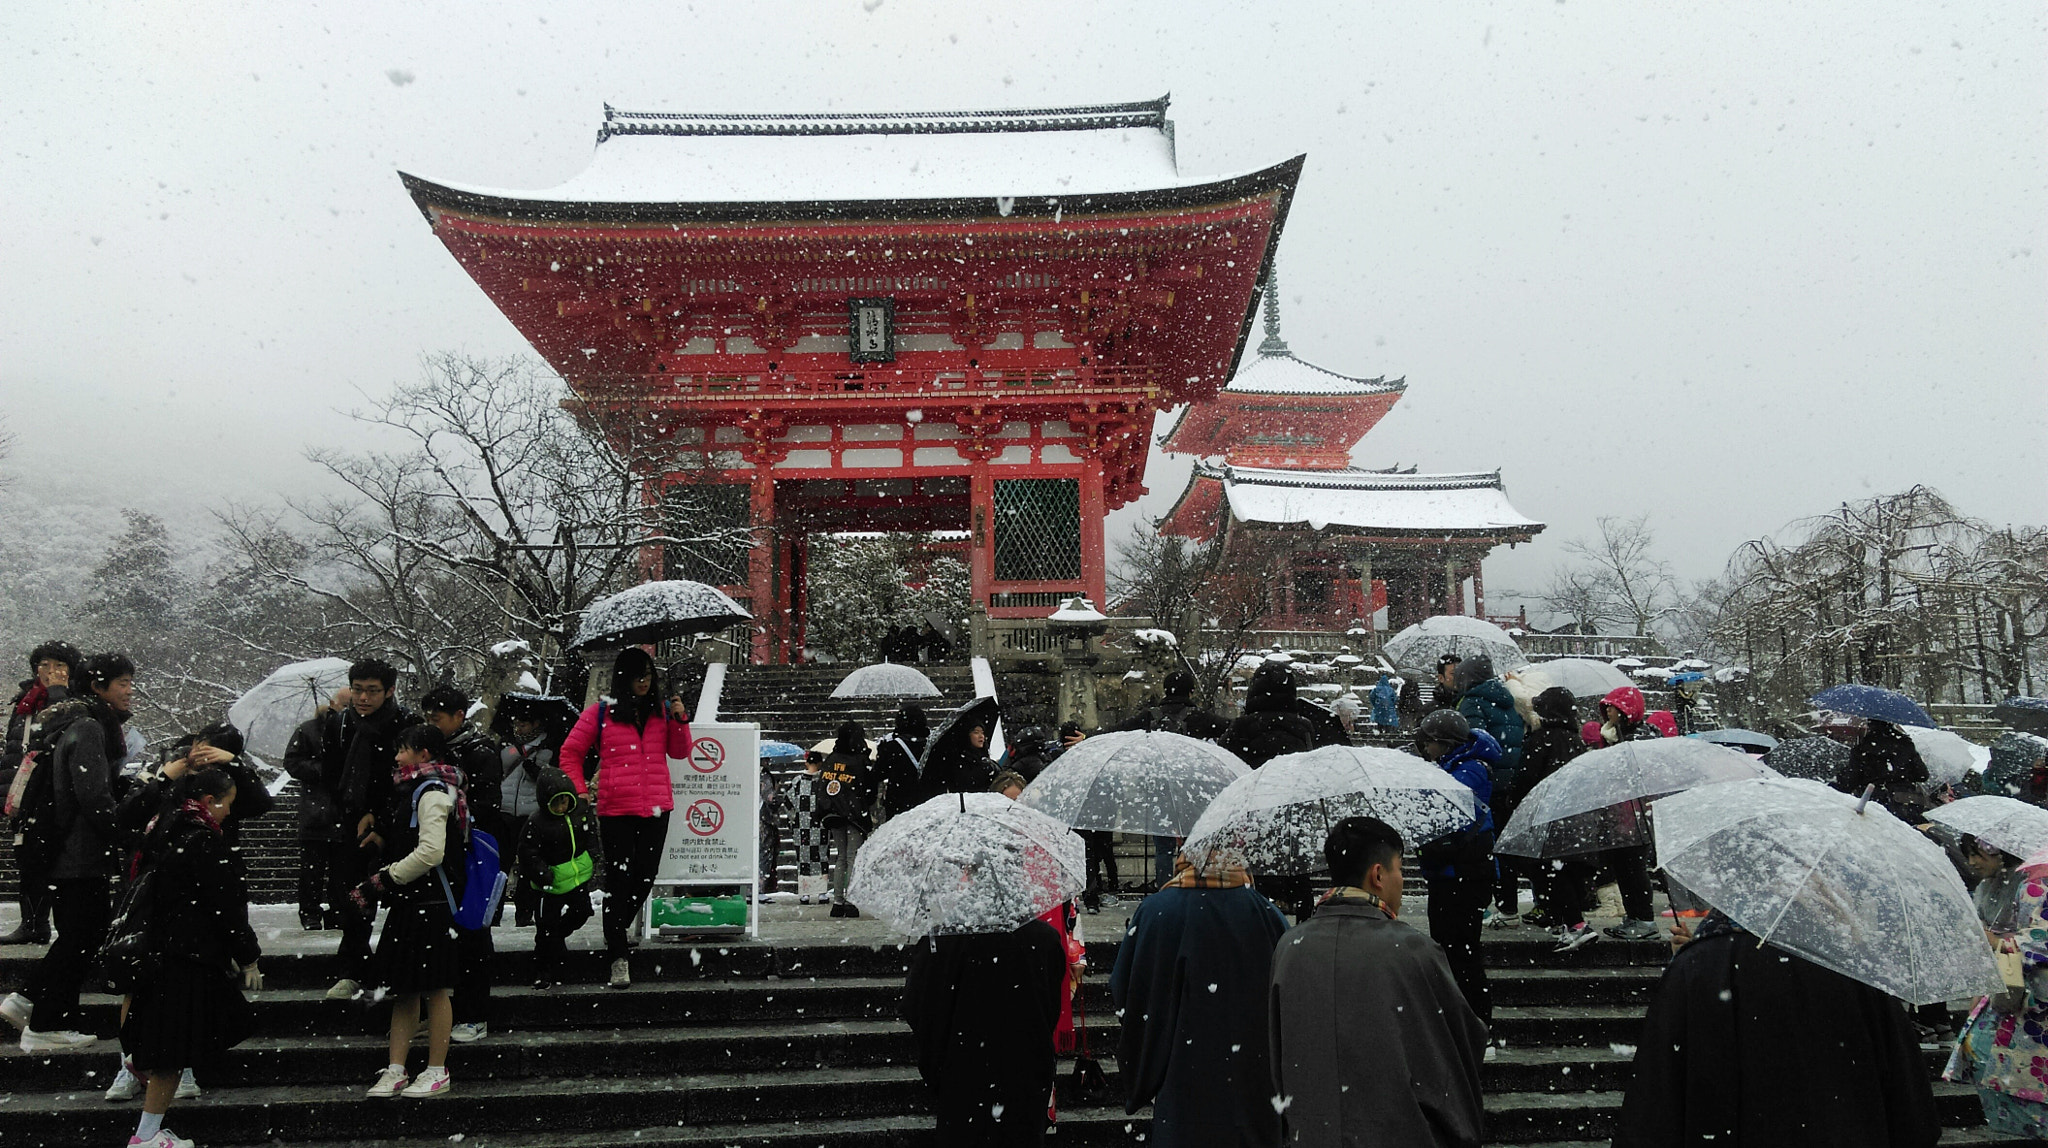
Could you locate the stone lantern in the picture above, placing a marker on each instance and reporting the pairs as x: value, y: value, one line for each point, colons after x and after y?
x: 1074, y: 628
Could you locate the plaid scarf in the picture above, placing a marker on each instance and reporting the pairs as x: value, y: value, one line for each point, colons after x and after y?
x: 1227, y: 875
x: 1354, y: 893
x: 197, y: 810
x: 446, y: 774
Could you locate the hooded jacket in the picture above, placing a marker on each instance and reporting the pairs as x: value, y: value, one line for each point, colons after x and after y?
x: 1487, y: 704
x: 632, y: 759
x: 1886, y: 758
x: 551, y: 839
x: 1554, y: 743
x: 1472, y: 764
x: 1631, y: 727
x: 476, y: 754
x: 1270, y: 725
x: 84, y: 764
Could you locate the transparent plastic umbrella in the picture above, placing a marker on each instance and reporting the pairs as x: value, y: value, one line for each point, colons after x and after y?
x: 1597, y: 800
x: 1419, y: 646
x: 967, y: 863
x: 886, y: 680
x: 1833, y: 879
x: 1814, y: 758
x: 1276, y: 820
x: 1948, y: 756
x: 2000, y: 822
x: 276, y: 706
x: 1149, y: 782
x: 1584, y: 677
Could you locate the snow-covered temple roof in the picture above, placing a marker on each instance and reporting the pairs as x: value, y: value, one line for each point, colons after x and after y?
x: 1276, y: 371
x: 1373, y: 501
x: 999, y: 157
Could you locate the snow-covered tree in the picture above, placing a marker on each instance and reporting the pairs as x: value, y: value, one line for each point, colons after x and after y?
x: 856, y: 587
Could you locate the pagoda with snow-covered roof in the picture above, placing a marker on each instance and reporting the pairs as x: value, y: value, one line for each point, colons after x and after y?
x: 908, y: 322
x: 1274, y: 481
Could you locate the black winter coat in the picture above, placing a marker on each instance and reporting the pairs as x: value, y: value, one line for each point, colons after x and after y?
x: 982, y: 1008
x: 896, y: 764
x: 315, y: 764
x: 480, y: 758
x: 549, y: 840
x: 155, y: 797
x: 201, y: 910
x: 1747, y: 1044
x: 1885, y: 757
x: 1543, y: 753
x: 86, y: 785
x: 848, y: 785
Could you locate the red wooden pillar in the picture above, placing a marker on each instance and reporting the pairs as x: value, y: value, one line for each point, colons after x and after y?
x: 761, y: 567
x: 1478, y: 588
x: 1094, y: 565
x: 981, y: 547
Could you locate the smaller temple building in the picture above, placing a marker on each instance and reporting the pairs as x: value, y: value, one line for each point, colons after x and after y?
x: 1346, y: 546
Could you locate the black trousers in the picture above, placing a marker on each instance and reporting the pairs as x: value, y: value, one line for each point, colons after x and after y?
x: 350, y: 867
x: 1630, y: 868
x: 558, y: 917
x: 1101, y: 846
x: 1455, y: 906
x: 323, y: 894
x: 473, y: 948
x: 1568, y: 884
x: 632, y: 854
x: 525, y: 899
x: 82, y: 907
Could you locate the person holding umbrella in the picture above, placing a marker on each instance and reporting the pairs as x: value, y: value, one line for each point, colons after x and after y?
x: 1886, y: 758
x: 629, y: 737
x: 1459, y: 867
x: 2004, y: 1039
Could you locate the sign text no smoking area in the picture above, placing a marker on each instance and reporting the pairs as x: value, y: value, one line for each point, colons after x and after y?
x: 713, y: 845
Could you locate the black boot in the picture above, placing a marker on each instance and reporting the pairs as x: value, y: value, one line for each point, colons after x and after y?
x: 35, y: 925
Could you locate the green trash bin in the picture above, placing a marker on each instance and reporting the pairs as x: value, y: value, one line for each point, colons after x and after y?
x: 700, y: 912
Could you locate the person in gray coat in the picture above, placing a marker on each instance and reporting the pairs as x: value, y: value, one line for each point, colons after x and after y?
x: 1372, y: 1041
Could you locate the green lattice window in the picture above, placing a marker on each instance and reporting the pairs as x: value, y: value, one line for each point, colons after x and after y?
x: 1038, y: 529
x: 709, y: 512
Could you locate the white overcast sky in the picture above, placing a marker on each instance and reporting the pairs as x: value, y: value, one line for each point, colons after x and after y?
x: 1725, y: 264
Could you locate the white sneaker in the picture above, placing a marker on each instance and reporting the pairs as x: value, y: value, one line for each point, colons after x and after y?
x: 390, y: 1082
x: 188, y: 1088
x: 622, y: 974
x: 64, y: 1040
x: 430, y: 1082
x: 16, y: 1010
x: 164, y: 1138
x: 344, y: 989
x: 1490, y: 1054
x: 469, y: 1033
x: 1496, y: 919
x: 126, y: 1086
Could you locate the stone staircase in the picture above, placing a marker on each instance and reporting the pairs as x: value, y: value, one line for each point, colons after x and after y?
x: 789, y: 1044
x: 795, y: 703
x: 270, y: 855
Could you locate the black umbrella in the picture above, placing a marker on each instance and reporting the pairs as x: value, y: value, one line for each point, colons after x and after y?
x: 950, y: 739
x: 2027, y: 715
x: 653, y: 611
x: 1815, y: 758
x: 556, y: 714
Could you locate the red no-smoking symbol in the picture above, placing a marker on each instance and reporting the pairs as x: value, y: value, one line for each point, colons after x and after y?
x: 704, y: 817
x: 708, y: 755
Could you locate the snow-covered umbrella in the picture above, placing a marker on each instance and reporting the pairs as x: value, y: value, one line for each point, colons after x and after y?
x: 1948, y: 756
x: 951, y: 737
x: 1597, y: 800
x: 1872, y: 702
x: 1276, y: 819
x: 2015, y: 826
x: 1584, y: 677
x: 1815, y: 758
x: 1747, y: 740
x: 1831, y: 878
x: 1146, y: 781
x: 2027, y: 715
x: 280, y: 703
x: 1419, y: 646
x: 886, y: 680
x: 967, y: 863
x: 653, y: 611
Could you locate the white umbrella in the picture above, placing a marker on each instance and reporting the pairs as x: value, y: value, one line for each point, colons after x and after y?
x: 886, y: 680
x: 967, y: 863
x: 1277, y: 819
x: 2000, y: 822
x: 1151, y: 782
x: 1830, y: 878
x: 1420, y: 645
x: 653, y: 611
x: 1948, y: 756
x: 1584, y: 677
x: 279, y: 704
x: 1594, y: 801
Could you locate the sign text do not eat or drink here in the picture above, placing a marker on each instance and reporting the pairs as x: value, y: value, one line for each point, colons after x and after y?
x: 713, y: 835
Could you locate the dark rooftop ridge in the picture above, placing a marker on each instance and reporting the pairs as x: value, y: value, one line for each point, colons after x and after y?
x: 1093, y: 117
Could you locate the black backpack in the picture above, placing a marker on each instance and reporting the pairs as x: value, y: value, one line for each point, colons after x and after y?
x: 38, y: 831
x: 133, y: 954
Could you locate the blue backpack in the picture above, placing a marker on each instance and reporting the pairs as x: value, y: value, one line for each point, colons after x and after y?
x: 483, y: 876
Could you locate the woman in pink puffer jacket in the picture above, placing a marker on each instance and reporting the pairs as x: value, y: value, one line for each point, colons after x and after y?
x: 634, y: 795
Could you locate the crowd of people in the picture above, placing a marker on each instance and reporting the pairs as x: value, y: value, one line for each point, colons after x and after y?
x: 401, y: 812
x: 1345, y: 1025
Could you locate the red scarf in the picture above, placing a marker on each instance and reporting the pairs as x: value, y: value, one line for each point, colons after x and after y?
x: 35, y: 699
x: 446, y: 774
x: 201, y: 814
